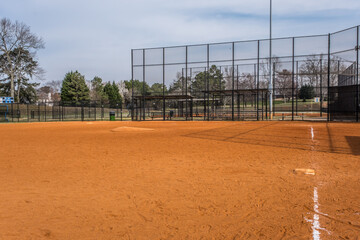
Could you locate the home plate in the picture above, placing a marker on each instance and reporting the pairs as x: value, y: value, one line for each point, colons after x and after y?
x: 305, y: 171
x: 131, y: 129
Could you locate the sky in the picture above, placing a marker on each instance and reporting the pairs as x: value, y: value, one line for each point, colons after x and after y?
x: 96, y: 37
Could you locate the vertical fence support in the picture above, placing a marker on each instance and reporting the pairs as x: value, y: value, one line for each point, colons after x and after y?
x: 38, y: 112
x: 293, y: 79
x: 297, y: 85
x: 27, y: 112
x: 205, y: 97
x: 163, y: 68
x: 45, y: 110
x: 237, y: 88
x: 257, y: 80
x: 357, y: 75
x: 143, y: 92
x: 207, y: 81
x: 186, y: 81
x: 321, y: 78
x: 95, y: 110
x: 121, y: 112
x: 233, y: 83
x: 257, y: 86
x: 328, y: 78
x: 272, y: 108
x: 132, y: 85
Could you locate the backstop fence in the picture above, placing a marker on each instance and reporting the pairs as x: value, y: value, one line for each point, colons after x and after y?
x: 314, y: 78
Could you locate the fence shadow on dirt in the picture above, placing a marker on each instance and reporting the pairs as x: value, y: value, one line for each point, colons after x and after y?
x: 270, y: 134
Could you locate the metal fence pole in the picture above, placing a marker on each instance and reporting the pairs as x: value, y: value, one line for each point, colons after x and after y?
x: 38, y: 111
x: 297, y: 85
x: 233, y: 82
x: 132, y: 85
x: 293, y: 79
x: 272, y: 108
x: 328, y: 77
x: 321, y: 77
x: 143, y: 94
x: 12, y: 111
x: 45, y: 110
x: 205, y: 97
x: 163, y: 66
x: 27, y: 112
x: 95, y: 109
x: 186, y: 80
x: 257, y: 94
x: 18, y: 111
x: 207, y: 81
x: 357, y: 75
x: 237, y: 92
x: 257, y: 79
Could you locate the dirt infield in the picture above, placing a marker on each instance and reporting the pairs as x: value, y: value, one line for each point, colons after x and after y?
x: 180, y: 180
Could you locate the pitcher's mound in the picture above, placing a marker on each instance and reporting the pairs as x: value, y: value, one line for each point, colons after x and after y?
x: 131, y: 129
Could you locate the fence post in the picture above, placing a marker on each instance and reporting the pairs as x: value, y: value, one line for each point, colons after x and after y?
x: 297, y: 85
x: 132, y: 85
x: 12, y: 111
x: 328, y: 80
x: 45, y: 110
x: 205, y: 97
x: 18, y: 111
x: 357, y: 75
x: 257, y: 80
x: 207, y: 81
x: 82, y: 111
x: 233, y: 82
x: 293, y: 79
x: 143, y: 93
x: 27, y: 112
x: 95, y: 109
x: 321, y: 98
x: 163, y: 66
x: 273, y: 91
x: 39, y: 112
x: 186, y: 82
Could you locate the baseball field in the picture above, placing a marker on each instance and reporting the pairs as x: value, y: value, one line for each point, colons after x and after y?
x: 180, y: 180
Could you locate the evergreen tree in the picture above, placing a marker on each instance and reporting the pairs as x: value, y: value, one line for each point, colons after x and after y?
x: 157, y: 88
x: 139, y: 87
x: 74, y: 88
x: 97, y: 90
x: 213, y: 76
x: 306, y: 92
x: 113, y: 93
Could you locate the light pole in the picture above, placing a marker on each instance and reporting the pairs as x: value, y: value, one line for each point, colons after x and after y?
x: 270, y: 67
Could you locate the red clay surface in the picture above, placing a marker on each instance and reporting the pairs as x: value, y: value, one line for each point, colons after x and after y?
x: 179, y: 180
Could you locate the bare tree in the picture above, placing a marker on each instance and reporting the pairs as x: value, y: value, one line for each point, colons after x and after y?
x: 284, y: 83
x: 14, y: 39
x: 55, y: 84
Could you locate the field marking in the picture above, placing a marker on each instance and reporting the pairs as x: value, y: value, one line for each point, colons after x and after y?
x: 315, y: 222
x: 312, y: 134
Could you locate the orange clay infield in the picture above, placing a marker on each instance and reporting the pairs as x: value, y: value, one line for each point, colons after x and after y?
x: 180, y: 180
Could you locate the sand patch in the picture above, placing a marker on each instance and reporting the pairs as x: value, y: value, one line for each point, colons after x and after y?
x: 131, y: 129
